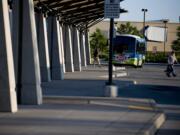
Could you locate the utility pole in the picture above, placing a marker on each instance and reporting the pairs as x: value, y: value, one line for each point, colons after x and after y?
x: 111, y: 50
x: 165, y: 21
x: 144, y: 20
x: 111, y: 10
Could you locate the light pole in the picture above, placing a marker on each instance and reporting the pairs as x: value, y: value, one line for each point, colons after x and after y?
x: 165, y: 21
x: 144, y: 19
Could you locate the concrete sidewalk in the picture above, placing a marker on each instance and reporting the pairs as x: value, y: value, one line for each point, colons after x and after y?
x: 102, y: 117
x: 90, y: 82
x: 77, y: 106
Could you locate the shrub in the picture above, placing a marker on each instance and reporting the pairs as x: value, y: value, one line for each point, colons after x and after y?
x: 158, y: 57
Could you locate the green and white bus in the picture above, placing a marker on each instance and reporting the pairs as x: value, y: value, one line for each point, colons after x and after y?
x: 129, y: 50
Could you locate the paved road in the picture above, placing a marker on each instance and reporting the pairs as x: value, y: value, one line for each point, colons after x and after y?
x: 153, y: 75
x: 151, y: 82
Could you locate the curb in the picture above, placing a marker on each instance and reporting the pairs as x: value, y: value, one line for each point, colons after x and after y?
x: 101, y: 100
x: 161, y: 64
x: 152, y: 127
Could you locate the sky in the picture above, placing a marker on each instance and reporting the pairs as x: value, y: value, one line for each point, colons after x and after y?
x: 157, y: 10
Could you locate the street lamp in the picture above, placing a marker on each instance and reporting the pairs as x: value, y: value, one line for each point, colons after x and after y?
x: 165, y: 21
x: 144, y: 19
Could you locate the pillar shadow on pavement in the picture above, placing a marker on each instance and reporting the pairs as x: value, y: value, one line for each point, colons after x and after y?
x: 161, y: 94
x: 79, y: 87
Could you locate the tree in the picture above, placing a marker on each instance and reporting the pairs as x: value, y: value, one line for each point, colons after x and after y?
x: 98, y: 41
x: 128, y: 29
x: 176, y: 43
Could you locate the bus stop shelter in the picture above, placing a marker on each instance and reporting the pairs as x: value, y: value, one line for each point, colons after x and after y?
x: 40, y: 41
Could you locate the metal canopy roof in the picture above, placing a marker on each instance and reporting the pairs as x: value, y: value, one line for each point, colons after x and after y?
x: 81, y: 13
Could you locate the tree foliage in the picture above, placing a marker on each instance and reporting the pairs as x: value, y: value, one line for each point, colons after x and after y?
x: 98, y: 41
x: 176, y: 43
x: 128, y: 29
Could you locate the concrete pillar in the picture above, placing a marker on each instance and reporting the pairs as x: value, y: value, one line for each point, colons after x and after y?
x: 43, y: 47
x: 83, y: 49
x: 55, y: 49
x: 62, y: 48
x: 8, y: 101
x: 10, y: 19
x: 56, y: 52
x: 50, y: 35
x: 15, y: 34
x: 76, y: 50
x: 87, y: 47
x: 68, y: 49
x: 31, y: 92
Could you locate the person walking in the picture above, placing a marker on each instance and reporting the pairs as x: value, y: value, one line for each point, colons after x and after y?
x: 96, y: 57
x: 170, y: 67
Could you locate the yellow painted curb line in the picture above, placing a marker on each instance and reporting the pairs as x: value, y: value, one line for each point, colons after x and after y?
x: 140, y: 108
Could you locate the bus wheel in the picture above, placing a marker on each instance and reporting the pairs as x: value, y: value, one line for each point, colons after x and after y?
x: 141, y: 66
x: 135, y: 66
x: 140, y: 63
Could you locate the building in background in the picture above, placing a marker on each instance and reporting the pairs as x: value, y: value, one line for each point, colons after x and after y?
x: 151, y: 46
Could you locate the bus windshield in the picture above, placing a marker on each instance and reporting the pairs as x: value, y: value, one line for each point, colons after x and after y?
x: 124, y: 44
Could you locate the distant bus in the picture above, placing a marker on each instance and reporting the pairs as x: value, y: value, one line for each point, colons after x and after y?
x: 129, y: 50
